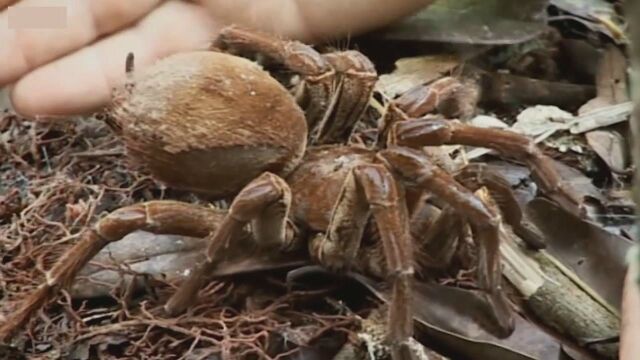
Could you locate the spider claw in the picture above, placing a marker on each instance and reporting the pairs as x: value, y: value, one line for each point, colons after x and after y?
x: 531, y: 235
x: 501, y: 313
x: 293, y: 277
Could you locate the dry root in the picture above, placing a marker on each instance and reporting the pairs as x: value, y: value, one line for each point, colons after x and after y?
x: 57, y: 179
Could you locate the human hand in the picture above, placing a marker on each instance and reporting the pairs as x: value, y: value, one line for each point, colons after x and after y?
x: 58, y: 72
x: 630, y: 327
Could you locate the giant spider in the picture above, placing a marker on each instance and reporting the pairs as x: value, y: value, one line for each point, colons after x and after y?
x: 220, y: 126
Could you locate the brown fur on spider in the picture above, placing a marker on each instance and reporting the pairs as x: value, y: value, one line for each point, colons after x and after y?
x: 219, y: 125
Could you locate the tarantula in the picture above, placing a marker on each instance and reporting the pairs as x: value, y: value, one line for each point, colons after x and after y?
x: 219, y: 125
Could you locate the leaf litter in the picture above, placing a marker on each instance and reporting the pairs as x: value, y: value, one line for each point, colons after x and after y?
x: 66, y: 175
x: 57, y: 179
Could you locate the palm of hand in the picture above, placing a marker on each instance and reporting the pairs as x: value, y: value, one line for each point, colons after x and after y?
x: 73, y: 69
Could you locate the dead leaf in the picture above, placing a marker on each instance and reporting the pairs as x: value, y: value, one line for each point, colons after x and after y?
x: 414, y: 71
x: 579, y: 182
x: 598, y: 15
x: 566, y: 142
x: 99, y: 343
x: 542, y: 119
x: 538, y: 122
x: 473, y: 22
x: 454, y: 319
x: 170, y: 257
x: 611, y: 81
x: 321, y: 348
x: 611, y: 147
x: 485, y: 121
x: 595, y: 255
x: 602, y: 117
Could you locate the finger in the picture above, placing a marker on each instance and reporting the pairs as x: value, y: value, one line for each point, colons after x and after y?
x: 5, y: 3
x: 83, y: 81
x: 313, y: 20
x: 24, y: 49
x: 630, y: 333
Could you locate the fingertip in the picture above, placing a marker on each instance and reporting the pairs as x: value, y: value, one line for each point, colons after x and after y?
x: 60, y: 89
x: 82, y: 82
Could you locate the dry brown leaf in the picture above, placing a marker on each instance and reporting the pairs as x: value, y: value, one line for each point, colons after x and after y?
x: 458, y: 320
x: 541, y: 119
x: 595, y: 255
x: 601, y: 117
x: 414, y: 71
x: 169, y: 257
x: 597, y: 15
x: 611, y: 147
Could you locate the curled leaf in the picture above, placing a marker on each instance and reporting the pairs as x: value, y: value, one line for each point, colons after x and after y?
x: 169, y: 257
x: 611, y: 147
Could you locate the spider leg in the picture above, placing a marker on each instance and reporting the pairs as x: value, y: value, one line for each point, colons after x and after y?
x: 417, y: 133
x: 371, y: 189
x: 337, y: 85
x: 447, y: 96
x: 166, y: 217
x: 338, y: 247
x: 319, y: 76
x: 357, y: 77
x: 415, y: 169
x: 436, y: 233
x: 265, y: 203
x: 475, y: 176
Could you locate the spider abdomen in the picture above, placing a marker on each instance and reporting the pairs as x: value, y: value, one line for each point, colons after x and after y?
x: 209, y: 122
